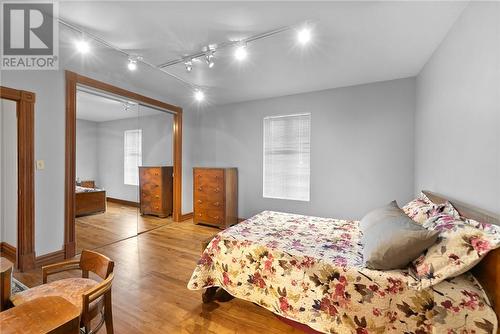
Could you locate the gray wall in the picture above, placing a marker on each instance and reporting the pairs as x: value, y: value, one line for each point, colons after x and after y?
x: 156, y: 151
x: 458, y: 111
x: 361, y: 147
x: 8, y: 172
x: 86, y: 150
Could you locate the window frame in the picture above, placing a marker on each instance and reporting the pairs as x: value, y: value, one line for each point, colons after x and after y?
x: 264, y: 157
x: 125, y: 156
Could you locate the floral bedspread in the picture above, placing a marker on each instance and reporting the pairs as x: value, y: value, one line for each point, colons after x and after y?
x: 309, y: 269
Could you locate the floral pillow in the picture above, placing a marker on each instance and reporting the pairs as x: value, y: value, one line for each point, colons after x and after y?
x: 460, y: 246
x: 422, y: 208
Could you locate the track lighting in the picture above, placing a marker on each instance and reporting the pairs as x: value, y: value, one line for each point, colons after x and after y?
x: 132, y: 64
x: 304, y: 35
x: 189, y: 65
x: 82, y: 46
x: 199, y: 95
x: 241, y: 52
x: 210, y: 58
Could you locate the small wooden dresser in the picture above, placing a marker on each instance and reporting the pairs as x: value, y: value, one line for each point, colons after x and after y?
x: 215, y: 196
x: 156, y: 190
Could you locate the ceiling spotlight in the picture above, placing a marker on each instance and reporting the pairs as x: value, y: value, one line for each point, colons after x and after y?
x: 241, y: 52
x: 132, y: 64
x: 210, y: 58
x: 82, y: 46
x: 199, y: 95
x: 304, y: 35
x: 189, y: 65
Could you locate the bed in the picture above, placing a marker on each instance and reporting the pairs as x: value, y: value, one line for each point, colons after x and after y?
x: 89, y: 201
x: 308, y: 269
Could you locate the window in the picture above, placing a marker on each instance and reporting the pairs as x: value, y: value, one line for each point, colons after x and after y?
x: 287, y: 148
x: 132, y: 156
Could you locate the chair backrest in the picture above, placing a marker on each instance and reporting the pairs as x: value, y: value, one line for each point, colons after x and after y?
x: 97, y: 263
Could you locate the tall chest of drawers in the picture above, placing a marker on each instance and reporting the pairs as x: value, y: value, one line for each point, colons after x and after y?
x: 156, y: 190
x: 215, y: 196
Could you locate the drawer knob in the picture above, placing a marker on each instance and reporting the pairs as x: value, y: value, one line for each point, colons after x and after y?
x: 200, y: 188
x: 217, y: 190
x: 199, y: 215
x: 217, y: 204
x: 199, y: 201
x: 157, y: 196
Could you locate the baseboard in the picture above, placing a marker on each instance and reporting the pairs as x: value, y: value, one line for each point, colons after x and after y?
x: 122, y: 201
x: 186, y: 216
x: 8, y: 251
x: 49, y: 258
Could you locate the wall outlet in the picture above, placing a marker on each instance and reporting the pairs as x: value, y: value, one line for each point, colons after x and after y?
x: 40, y: 164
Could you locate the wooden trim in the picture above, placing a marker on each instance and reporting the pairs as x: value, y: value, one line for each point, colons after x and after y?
x: 177, y: 149
x: 50, y: 258
x: 92, y: 83
x: 487, y: 271
x: 187, y: 216
x: 72, y: 81
x: 25, y: 102
x: 122, y: 201
x: 8, y: 251
x: 70, y: 167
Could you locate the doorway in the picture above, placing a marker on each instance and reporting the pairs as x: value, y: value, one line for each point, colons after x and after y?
x: 76, y: 82
x: 17, y: 108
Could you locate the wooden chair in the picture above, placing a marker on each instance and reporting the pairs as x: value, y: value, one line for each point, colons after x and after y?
x: 91, y: 297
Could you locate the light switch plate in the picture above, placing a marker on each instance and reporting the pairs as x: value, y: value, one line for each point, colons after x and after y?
x: 40, y: 164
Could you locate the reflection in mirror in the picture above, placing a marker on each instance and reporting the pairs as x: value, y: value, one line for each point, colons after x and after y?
x: 156, y: 169
x: 123, y: 168
x: 106, y: 145
x: 8, y: 173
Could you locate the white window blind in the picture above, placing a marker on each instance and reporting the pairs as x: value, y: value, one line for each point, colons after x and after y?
x: 287, y: 147
x: 132, y: 156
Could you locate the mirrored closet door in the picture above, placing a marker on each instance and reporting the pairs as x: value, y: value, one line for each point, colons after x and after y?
x: 123, y: 168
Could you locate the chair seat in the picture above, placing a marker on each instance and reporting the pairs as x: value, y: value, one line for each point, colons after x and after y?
x: 70, y: 289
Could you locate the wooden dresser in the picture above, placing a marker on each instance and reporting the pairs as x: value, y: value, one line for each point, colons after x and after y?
x: 156, y: 190
x: 215, y: 196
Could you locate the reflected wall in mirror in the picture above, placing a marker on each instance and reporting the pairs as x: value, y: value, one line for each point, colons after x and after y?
x: 115, y: 139
x: 8, y: 173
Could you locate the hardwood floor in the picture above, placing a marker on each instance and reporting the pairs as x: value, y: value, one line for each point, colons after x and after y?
x: 117, y: 223
x: 150, y: 293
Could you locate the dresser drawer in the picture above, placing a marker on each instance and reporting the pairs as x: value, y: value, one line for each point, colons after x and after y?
x: 213, y: 191
x: 209, y: 175
x: 209, y: 203
x: 209, y: 216
x: 151, y: 175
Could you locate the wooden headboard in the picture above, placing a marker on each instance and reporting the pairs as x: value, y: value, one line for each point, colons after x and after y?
x: 487, y: 271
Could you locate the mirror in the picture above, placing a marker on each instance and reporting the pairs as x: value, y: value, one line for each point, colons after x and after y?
x: 156, y: 169
x: 8, y: 172
x: 123, y: 155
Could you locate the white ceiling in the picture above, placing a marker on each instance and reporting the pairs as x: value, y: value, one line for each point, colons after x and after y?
x: 353, y: 42
x: 91, y: 107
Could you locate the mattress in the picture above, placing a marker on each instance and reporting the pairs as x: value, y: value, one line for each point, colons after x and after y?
x: 309, y: 269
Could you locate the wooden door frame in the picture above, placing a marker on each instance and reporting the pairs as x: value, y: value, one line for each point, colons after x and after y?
x: 72, y: 80
x: 25, y: 105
